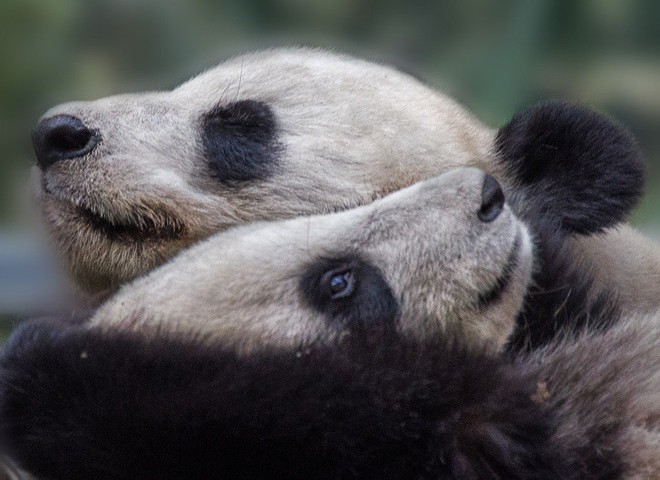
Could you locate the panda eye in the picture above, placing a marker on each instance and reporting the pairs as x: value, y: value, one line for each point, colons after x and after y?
x: 349, y: 292
x: 240, y: 141
x: 338, y: 283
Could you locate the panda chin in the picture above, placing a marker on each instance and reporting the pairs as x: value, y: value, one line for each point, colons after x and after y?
x: 513, y: 263
x: 141, y: 229
x: 138, y: 228
x: 100, y: 253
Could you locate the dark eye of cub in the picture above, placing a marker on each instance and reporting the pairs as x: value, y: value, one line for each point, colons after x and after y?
x: 240, y: 141
x: 340, y: 284
x: 350, y: 292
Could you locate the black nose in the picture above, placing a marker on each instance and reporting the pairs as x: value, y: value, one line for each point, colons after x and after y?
x: 61, y: 137
x: 492, y: 200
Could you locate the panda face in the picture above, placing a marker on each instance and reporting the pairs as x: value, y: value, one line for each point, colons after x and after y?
x: 128, y: 181
x: 125, y: 182
x: 445, y: 256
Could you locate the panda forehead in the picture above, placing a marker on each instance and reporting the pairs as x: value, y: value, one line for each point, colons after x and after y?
x: 271, y: 75
x: 304, y: 84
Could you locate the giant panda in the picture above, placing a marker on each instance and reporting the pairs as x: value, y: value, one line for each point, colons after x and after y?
x: 126, y: 182
x: 359, y: 367
x: 446, y: 250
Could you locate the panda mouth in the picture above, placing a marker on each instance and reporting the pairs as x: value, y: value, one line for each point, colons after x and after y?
x: 142, y: 228
x: 495, y: 292
x: 145, y: 224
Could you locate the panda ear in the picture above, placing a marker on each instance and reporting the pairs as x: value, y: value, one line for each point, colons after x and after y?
x: 573, y: 164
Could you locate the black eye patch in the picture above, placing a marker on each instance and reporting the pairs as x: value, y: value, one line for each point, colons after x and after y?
x: 240, y: 141
x: 350, y: 292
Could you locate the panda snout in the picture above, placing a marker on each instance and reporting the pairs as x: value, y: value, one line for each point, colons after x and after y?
x: 492, y: 200
x: 62, y: 137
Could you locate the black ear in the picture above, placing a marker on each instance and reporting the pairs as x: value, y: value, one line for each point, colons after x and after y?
x: 573, y: 164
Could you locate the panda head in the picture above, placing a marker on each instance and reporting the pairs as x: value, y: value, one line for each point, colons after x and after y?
x: 126, y: 182
x: 447, y: 250
x: 445, y: 257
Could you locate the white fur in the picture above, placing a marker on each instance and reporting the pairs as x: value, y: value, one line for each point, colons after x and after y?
x: 351, y: 131
x: 242, y: 287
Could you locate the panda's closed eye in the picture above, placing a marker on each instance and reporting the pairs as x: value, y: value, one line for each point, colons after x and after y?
x: 240, y: 141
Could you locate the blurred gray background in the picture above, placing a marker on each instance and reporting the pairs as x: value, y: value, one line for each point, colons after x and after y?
x: 495, y: 57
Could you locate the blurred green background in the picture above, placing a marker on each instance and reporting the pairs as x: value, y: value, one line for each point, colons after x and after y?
x: 495, y: 57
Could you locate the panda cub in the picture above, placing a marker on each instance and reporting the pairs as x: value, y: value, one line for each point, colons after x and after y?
x: 373, y: 357
x: 445, y: 257
x: 126, y: 182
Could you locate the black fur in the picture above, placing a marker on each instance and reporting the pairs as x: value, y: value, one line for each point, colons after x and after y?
x: 78, y: 404
x: 240, y: 141
x: 562, y: 298
x: 370, y: 305
x: 578, y: 165
x: 579, y: 173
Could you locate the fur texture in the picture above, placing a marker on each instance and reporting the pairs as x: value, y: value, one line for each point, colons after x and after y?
x: 442, y: 267
x: 220, y: 364
x: 303, y: 132
x: 420, y: 257
x: 568, y: 155
x: 121, y: 407
x: 375, y: 407
x: 604, y: 387
x: 562, y: 298
x: 302, y: 364
x: 240, y: 141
